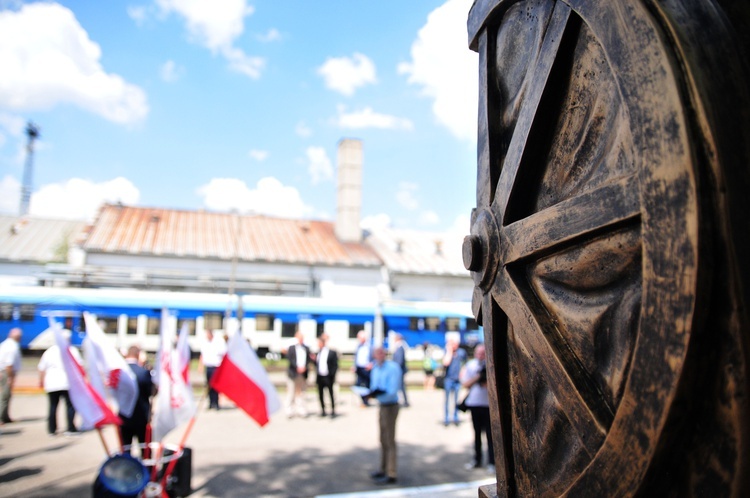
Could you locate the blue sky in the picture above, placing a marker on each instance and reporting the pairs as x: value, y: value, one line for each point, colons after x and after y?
x: 240, y: 104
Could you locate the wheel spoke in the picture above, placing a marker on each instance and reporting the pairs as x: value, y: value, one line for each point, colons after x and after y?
x: 590, y: 212
x: 542, y: 70
x: 586, y: 410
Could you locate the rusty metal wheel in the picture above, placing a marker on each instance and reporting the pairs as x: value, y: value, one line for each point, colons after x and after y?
x: 585, y: 241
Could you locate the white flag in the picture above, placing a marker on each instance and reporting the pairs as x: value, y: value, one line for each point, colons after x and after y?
x: 88, y: 403
x: 109, y: 373
x: 174, y: 402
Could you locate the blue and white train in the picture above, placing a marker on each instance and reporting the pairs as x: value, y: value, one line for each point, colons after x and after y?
x: 268, y: 322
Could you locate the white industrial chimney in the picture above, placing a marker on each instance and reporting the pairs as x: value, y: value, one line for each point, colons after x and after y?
x: 349, y: 190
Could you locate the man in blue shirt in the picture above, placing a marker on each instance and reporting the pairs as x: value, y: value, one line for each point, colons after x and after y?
x: 385, y: 382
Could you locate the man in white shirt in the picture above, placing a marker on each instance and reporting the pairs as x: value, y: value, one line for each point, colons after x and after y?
x: 10, y: 365
x: 212, y: 352
x: 54, y: 380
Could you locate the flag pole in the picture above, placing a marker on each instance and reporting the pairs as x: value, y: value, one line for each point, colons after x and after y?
x: 181, y: 446
x: 104, y: 442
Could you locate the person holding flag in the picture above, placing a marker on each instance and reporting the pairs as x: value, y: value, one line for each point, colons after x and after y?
x: 88, y: 403
x: 134, y: 425
x: 108, y: 371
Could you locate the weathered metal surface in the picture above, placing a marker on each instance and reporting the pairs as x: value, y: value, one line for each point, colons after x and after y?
x: 609, y: 244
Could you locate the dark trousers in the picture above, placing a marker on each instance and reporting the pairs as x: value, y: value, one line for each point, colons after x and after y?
x: 480, y: 419
x: 363, y: 377
x: 325, y: 382
x: 54, y: 400
x: 134, y: 427
x: 213, y: 395
x: 388, y: 458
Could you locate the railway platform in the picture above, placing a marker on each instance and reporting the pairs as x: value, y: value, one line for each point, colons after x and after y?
x: 233, y: 457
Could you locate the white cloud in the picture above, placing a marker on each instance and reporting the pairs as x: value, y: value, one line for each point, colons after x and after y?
x: 10, y: 195
x: 269, y: 36
x: 80, y: 199
x: 269, y: 197
x: 346, y: 74
x: 461, y: 225
x: 171, y: 72
x: 13, y: 124
x: 375, y: 222
x: 258, y: 155
x: 138, y: 13
x: 446, y: 69
x: 367, y: 118
x: 429, y: 218
x: 47, y: 59
x: 303, y: 130
x: 217, y: 25
x: 405, y: 195
x: 319, y: 165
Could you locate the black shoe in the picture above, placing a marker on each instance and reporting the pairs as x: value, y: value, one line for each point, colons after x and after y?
x: 377, y: 475
x: 385, y: 480
x: 324, y: 414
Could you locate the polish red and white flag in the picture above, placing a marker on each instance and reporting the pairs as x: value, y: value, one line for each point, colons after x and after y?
x: 109, y: 373
x: 242, y: 378
x: 88, y: 403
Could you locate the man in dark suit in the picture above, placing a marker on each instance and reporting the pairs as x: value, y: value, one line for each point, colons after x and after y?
x: 327, y: 363
x: 299, y: 358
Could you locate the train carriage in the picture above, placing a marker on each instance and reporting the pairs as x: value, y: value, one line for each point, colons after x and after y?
x: 268, y: 322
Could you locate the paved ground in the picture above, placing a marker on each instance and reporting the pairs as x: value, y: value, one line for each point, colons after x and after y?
x: 233, y: 457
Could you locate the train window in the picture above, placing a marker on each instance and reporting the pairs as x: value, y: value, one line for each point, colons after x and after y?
x: 471, y: 324
x: 427, y: 323
x: 190, y: 322
x: 354, y: 330
x: 452, y: 324
x: 27, y: 312
x: 108, y: 324
x: 288, y: 329
x: 153, y: 326
x: 6, y: 312
x: 132, y: 325
x: 213, y: 321
x: 321, y: 328
x: 264, y: 322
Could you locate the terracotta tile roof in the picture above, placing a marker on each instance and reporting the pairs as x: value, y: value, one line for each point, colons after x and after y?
x: 36, y: 240
x: 201, y: 234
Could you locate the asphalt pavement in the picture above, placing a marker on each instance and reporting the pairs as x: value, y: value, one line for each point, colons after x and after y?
x: 232, y: 456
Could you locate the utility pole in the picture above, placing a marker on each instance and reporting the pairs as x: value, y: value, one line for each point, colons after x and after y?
x: 32, y: 131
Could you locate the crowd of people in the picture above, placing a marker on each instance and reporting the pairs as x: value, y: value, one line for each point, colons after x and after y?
x: 380, y: 380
